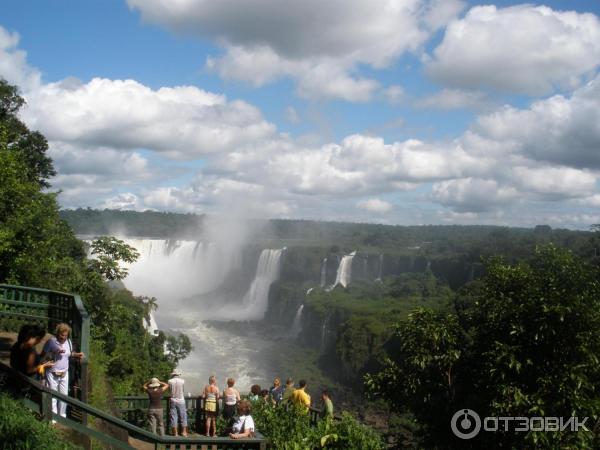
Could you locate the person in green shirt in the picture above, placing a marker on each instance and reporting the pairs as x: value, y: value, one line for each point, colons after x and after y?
x: 289, y: 390
x: 326, y: 406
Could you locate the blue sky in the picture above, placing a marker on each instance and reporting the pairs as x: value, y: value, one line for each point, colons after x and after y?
x: 392, y: 111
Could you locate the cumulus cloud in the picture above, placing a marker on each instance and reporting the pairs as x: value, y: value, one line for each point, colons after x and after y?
x: 374, y: 205
x: 318, y: 43
x: 182, y: 122
x: 455, y: 99
x: 13, y: 62
x: 558, y: 130
x: 525, y: 49
x: 470, y: 195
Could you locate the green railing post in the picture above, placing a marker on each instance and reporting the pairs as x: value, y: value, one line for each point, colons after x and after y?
x: 46, y: 406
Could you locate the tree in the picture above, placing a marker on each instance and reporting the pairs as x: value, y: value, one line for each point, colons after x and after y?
x: 524, y: 342
x: 178, y: 348
x: 31, y: 145
x: 108, y: 252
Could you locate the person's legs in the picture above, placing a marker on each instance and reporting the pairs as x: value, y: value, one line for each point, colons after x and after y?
x: 161, y: 423
x: 52, y: 384
x: 182, y: 417
x: 173, y: 414
x: 63, y: 388
x: 152, y: 419
x: 213, y: 421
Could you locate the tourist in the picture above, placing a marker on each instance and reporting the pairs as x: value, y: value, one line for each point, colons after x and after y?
x: 244, y: 425
x: 276, y: 391
x: 211, y: 396
x: 289, y: 390
x: 155, y: 390
x: 264, y: 395
x: 231, y: 397
x: 300, y: 397
x: 254, y: 392
x: 23, y: 355
x: 177, y: 408
x: 326, y: 406
x: 59, y: 349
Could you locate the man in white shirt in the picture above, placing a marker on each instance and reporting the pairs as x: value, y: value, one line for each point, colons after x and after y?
x: 177, y: 408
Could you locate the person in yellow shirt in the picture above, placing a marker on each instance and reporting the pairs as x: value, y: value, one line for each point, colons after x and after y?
x: 300, y: 397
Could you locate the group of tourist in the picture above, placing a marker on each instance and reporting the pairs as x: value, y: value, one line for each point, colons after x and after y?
x: 51, y: 366
x: 240, y: 425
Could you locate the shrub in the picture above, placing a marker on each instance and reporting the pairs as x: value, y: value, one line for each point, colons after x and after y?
x: 19, y: 429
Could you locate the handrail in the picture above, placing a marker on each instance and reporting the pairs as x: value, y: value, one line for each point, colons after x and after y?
x: 22, y: 304
x: 43, y: 400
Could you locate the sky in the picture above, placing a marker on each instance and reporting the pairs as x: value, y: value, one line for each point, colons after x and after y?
x: 390, y: 111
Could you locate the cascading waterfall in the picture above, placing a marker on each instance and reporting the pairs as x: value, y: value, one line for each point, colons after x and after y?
x: 150, y: 324
x: 174, y: 270
x: 344, y: 272
x: 297, y: 324
x: 324, y: 331
x: 323, y: 272
x: 256, y: 299
x: 380, y: 273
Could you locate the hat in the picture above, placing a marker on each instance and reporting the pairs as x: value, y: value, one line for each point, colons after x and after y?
x: 176, y: 373
x: 154, y: 383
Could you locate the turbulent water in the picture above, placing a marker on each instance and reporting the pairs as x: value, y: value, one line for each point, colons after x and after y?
x: 186, y: 277
x: 344, y: 272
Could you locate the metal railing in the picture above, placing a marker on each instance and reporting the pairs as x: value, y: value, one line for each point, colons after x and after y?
x: 134, y: 409
x: 38, y: 398
x: 20, y: 305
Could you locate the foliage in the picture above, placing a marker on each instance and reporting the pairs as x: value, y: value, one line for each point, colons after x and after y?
x: 178, y: 348
x: 108, y: 252
x: 19, y: 429
x: 30, y: 146
x: 524, y: 342
x: 290, y: 429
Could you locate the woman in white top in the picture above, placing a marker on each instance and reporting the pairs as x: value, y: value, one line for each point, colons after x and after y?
x: 244, y: 425
x: 230, y: 398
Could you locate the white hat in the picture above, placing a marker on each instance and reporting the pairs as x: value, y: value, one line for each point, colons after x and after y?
x: 154, y: 383
x: 176, y: 373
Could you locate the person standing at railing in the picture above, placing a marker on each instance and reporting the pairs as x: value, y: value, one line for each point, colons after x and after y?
x: 289, y: 390
x: 231, y: 396
x: 326, y: 405
x: 23, y: 356
x: 177, y: 408
x: 59, y: 348
x: 276, y: 391
x: 300, y: 397
x: 211, y: 396
x: 155, y: 390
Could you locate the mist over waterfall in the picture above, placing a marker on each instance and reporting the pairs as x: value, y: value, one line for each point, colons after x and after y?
x: 344, y: 272
x: 256, y: 299
x: 171, y: 270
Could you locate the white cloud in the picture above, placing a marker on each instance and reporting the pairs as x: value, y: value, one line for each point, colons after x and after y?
x: 374, y: 205
x: 13, y: 62
x: 554, y: 182
x: 524, y: 49
x: 473, y: 194
x: 182, y: 122
x: 558, y: 130
x: 455, y: 99
x: 318, y: 43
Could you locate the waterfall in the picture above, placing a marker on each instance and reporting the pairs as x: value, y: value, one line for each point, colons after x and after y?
x: 344, y: 272
x: 323, y: 272
x: 380, y: 273
x: 256, y: 299
x: 150, y: 325
x: 324, y: 332
x: 309, y: 290
x: 172, y: 270
x: 296, y: 325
